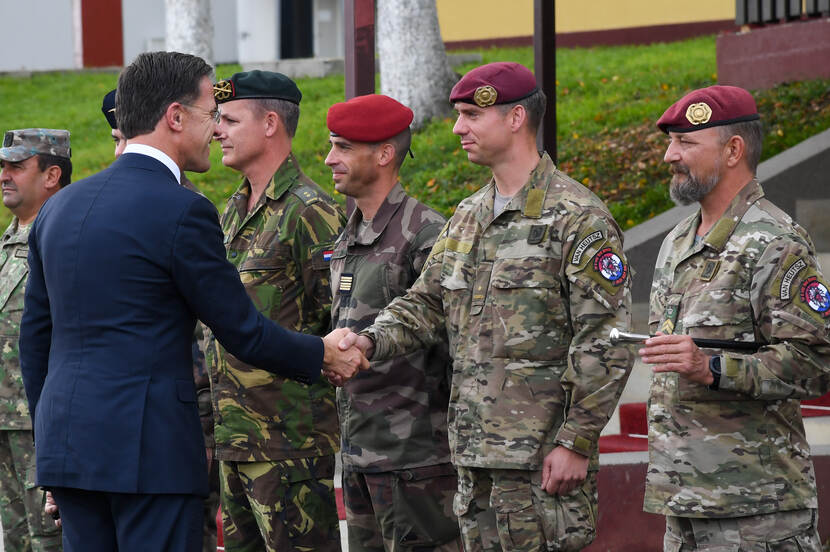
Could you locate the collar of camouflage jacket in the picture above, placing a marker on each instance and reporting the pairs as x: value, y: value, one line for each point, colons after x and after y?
x: 529, y: 200
x: 720, y: 233
x: 16, y: 234
x: 384, y: 214
x: 287, y: 173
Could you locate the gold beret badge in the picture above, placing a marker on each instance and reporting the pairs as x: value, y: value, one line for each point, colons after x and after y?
x: 698, y: 113
x: 223, y: 90
x: 485, y: 96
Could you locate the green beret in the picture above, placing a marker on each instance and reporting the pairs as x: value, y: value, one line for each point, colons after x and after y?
x: 257, y: 84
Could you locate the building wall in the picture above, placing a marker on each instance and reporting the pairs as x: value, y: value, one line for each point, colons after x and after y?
x: 37, y: 35
x: 470, y: 20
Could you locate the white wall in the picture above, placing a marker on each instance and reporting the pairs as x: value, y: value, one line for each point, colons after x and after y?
x: 36, y: 35
x: 143, y: 23
x: 328, y: 28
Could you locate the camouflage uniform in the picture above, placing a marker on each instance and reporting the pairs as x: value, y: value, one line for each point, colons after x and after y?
x: 740, y: 450
x: 25, y: 525
x: 266, y: 426
x: 527, y: 300
x: 398, y: 482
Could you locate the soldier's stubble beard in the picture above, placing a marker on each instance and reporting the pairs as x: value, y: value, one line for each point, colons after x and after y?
x: 687, y: 188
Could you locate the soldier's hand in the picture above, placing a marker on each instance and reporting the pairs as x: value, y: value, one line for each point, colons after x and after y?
x: 677, y: 353
x: 360, y: 341
x: 51, y: 508
x: 563, y: 471
x: 341, y: 365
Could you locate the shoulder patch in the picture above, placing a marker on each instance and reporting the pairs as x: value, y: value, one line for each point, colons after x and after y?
x: 789, y: 276
x: 307, y: 194
x: 610, y: 266
x: 814, y: 295
x: 583, y: 244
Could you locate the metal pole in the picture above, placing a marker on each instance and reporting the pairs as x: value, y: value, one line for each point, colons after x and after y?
x: 544, y: 56
x: 360, y: 47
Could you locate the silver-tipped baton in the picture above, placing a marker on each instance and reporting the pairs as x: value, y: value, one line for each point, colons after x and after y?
x: 616, y: 336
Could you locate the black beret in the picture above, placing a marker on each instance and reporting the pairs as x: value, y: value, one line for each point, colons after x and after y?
x: 108, y: 108
x: 257, y: 84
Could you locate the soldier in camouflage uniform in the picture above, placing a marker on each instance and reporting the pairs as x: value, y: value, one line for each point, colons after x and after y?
x: 398, y: 482
x: 527, y: 279
x: 729, y: 463
x: 35, y: 165
x: 275, y: 438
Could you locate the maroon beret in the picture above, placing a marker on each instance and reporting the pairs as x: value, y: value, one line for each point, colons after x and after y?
x: 369, y: 118
x: 494, y: 83
x: 709, y: 107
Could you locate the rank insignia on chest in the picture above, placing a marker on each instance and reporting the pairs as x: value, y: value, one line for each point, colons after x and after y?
x: 537, y: 232
x: 327, y: 255
x: 710, y: 267
x: 610, y: 266
x: 346, y: 283
x: 814, y: 294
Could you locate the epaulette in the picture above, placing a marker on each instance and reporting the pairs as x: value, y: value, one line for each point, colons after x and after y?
x: 307, y: 194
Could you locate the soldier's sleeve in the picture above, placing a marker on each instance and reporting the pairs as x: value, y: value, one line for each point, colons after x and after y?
x: 416, y: 319
x: 35, y: 328
x: 791, y: 306
x: 422, y: 245
x: 599, y: 295
x: 201, y: 378
x: 313, y: 242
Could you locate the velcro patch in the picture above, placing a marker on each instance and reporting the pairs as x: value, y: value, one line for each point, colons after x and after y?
x: 610, y: 266
x: 537, y: 232
x: 22, y: 253
x: 813, y: 293
x: 583, y: 244
x: 346, y: 284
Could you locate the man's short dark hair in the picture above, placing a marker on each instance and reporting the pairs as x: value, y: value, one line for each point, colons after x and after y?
x: 752, y: 133
x: 535, y: 106
x: 44, y: 161
x: 289, y: 112
x: 401, y: 142
x: 151, y: 83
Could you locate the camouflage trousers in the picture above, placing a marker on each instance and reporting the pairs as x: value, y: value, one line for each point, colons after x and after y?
x: 25, y: 525
x: 279, y: 505
x: 792, y: 531
x: 508, y: 510
x: 401, y: 510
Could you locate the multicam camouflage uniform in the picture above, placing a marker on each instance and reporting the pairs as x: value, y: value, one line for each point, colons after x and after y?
x: 271, y: 431
x: 527, y: 300
x: 25, y: 526
x: 740, y: 450
x: 398, y: 482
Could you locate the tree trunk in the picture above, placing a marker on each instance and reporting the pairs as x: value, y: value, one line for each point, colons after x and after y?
x: 413, y: 63
x: 189, y: 28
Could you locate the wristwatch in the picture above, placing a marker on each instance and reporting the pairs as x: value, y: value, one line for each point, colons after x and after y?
x: 714, y: 368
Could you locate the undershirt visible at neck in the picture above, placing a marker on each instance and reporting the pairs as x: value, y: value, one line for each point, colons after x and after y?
x: 500, y: 202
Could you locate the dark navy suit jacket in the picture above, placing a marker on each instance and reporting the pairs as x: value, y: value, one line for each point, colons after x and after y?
x: 121, y: 265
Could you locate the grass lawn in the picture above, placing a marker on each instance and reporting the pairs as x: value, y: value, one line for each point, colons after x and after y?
x: 608, y: 99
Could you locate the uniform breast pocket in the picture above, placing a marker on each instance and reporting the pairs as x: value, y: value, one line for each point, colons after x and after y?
x: 264, y: 278
x: 13, y: 277
x: 456, y: 292
x: 529, y: 312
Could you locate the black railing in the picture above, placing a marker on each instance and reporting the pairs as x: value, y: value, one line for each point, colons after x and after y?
x: 772, y: 11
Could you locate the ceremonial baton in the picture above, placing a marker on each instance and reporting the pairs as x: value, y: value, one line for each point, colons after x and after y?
x: 616, y: 336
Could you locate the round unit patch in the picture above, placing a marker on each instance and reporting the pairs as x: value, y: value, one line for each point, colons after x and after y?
x: 814, y: 294
x: 610, y: 266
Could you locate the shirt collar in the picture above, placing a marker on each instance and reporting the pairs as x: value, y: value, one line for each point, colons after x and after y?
x: 158, y: 155
x: 384, y: 214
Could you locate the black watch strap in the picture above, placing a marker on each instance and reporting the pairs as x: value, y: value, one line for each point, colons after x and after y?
x: 714, y: 368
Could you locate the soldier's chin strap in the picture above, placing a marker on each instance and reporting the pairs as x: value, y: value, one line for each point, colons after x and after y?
x: 616, y: 336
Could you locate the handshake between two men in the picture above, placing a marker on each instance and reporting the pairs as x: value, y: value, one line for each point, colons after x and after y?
x: 345, y: 354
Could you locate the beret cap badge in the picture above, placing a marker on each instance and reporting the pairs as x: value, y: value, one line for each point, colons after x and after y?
x: 485, y: 96
x: 223, y: 90
x: 698, y: 113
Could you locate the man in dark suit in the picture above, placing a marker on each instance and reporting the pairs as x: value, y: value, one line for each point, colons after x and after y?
x: 120, y: 269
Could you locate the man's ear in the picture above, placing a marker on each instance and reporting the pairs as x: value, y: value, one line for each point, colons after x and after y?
x: 385, y: 154
x: 272, y: 123
x: 174, y: 116
x: 518, y: 117
x: 53, y: 176
x: 735, y: 149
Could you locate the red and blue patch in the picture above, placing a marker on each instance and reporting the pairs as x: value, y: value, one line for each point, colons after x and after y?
x: 327, y: 255
x: 814, y: 294
x: 610, y: 266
